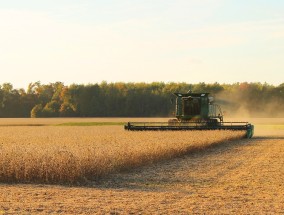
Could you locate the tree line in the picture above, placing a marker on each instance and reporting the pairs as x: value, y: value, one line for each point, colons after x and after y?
x: 133, y: 99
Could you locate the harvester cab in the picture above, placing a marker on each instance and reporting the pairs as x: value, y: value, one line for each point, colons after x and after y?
x: 194, y: 111
x: 197, y: 107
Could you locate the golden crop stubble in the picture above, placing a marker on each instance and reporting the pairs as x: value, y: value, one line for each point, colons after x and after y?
x: 78, y: 154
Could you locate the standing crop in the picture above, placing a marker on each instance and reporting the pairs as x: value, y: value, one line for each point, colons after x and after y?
x: 79, y: 154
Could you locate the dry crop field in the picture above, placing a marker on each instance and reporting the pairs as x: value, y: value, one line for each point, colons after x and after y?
x: 76, y: 155
x: 117, y: 172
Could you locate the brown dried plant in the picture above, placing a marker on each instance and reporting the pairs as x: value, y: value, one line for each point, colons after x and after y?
x: 72, y: 155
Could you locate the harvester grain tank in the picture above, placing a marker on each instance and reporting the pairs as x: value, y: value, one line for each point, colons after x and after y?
x: 194, y: 111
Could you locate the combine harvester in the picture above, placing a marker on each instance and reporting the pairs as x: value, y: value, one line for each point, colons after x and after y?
x: 194, y: 111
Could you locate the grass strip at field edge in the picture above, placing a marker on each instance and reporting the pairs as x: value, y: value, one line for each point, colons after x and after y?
x: 90, y: 123
x: 271, y: 126
x: 11, y: 125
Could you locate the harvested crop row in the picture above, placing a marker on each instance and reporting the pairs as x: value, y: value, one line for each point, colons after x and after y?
x: 78, y: 154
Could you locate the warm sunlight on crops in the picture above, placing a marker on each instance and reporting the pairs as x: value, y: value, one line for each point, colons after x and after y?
x: 78, y: 154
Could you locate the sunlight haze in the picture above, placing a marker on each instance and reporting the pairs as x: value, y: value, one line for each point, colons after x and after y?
x: 189, y: 41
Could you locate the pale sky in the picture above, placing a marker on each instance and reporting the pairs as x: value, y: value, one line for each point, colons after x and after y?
x: 90, y: 41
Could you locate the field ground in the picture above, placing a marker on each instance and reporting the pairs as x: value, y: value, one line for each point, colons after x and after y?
x: 240, y: 177
x: 56, y: 121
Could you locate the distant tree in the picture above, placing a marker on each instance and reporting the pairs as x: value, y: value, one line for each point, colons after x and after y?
x: 67, y: 110
x: 51, y: 109
x: 7, y: 87
x: 36, y: 112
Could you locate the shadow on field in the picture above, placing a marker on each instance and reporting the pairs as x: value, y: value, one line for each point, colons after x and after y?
x: 269, y: 137
x: 196, y: 169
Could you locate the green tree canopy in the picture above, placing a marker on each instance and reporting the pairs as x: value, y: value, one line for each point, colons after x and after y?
x: 133, y: 99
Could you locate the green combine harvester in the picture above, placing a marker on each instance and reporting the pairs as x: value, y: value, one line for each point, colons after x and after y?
x: 194, y: 111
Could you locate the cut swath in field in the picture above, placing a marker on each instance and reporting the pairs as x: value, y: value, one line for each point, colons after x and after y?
x: 78, y: 154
